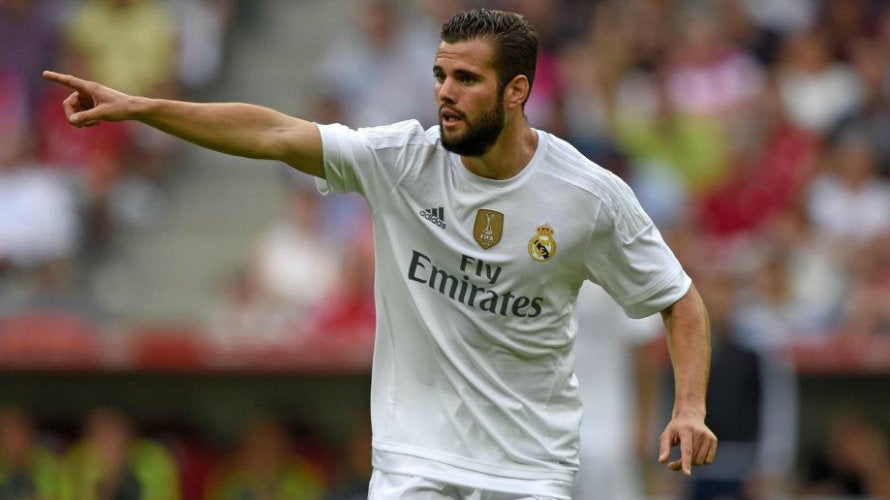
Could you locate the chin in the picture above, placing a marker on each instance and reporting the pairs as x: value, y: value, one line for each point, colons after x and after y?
x: 450, y: 136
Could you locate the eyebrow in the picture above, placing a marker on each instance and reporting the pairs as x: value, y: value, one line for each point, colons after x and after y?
x: 458, y: 73
x: 464, y: 73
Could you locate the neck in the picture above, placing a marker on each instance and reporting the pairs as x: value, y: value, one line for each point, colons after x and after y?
x: 509, y: 155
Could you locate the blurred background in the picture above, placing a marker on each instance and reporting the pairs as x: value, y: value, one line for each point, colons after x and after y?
x: 176, y: 323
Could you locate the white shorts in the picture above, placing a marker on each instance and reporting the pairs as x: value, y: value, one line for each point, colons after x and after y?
x: 388, y: 486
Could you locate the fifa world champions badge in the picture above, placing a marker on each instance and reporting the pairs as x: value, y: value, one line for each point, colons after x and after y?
x: 542, y: 246
x: 488, y: 228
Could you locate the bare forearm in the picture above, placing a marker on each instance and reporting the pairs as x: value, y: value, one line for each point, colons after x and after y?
x: 233, y: 128
x: 689, y: 342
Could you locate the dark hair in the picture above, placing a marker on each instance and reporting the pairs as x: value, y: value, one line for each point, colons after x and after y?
x: 515, y: 40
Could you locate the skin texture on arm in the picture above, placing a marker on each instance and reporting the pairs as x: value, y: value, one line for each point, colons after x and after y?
x: 233, y: 128
x: 689, y: 342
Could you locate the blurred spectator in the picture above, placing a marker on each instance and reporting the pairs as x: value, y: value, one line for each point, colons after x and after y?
x: 348, y: 309
x: 112, y: 461
x: 382, y: 72
x: 770, y: 170
x: 768, y: 22
x: 587, y: 97
x: 38, y: 215
x: 29, y: 36
x: 866, y: 312
x: 789, y: 292
x: 877, y: 109
x: 848, y: 202
x: 618, y: 37
x: 353, y: 472
x: 437, y: 12
x: 15, y: 120
x: 142, y: 58
x: 794, y: 290
x: 663, y: 143
x: 40, y: 234
x: 852, y: 460
x: 244, y: 317
x: 266, y: 468
x: 707, y: 75
x: 846, y: 23
x: 294, y: 262
x: 782, y: 16
x: 28, y: 471
x: 202, y: 28
x: 341, y: 326
x: 616, y: 382
x: 817, y: 90
x: 873, y: 118
x: 293, y: 271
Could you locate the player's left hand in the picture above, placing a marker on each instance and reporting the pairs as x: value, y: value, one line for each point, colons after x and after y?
x: 698, y: 445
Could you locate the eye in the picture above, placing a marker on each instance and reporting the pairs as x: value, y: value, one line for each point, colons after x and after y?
x: 467, y: 79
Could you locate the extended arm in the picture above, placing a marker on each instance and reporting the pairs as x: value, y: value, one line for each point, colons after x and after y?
x: 233, y: 128
x: 689, y: 342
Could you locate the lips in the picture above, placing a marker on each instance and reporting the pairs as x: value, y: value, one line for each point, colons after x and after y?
x: 449, y: 115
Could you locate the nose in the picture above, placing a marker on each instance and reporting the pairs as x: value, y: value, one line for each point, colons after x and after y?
x: 445, y: 92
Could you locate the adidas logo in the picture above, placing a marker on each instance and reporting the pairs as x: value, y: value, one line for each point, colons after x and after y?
x: 435, y: 216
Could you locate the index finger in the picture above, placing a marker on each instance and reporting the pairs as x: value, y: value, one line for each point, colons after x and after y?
x: 664, y: 449
x: 68, y: 80
x: 686, y: 448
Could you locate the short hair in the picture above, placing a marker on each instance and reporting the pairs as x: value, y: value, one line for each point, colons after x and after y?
x: 515, y: 40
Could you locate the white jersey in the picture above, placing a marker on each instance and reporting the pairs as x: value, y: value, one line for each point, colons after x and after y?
x: 476, y: 284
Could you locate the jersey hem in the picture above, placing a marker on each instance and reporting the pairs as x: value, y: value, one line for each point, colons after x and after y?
x: 467, y: 473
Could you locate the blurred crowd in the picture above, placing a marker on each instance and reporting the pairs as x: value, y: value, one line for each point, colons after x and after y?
x: 756, y: 133
x: 110, y: 457
x: 64, y: 192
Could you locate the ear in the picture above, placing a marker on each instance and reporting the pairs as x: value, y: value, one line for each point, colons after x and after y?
x: 516, y: 92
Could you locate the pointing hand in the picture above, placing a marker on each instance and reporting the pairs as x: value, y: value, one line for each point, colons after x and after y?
x: 91, y: 102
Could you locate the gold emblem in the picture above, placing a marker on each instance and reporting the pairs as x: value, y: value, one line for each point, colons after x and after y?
x: 542, y: 246
x: 488, y: 228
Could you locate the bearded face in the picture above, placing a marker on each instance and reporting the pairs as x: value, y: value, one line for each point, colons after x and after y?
x: 477, y: 134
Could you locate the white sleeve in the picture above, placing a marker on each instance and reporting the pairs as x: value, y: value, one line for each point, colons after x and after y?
x: 370, y: 161
x: 628, y: 257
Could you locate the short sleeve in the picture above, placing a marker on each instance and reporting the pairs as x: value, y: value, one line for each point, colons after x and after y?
x: 628, y: 257
x: 370, y: 161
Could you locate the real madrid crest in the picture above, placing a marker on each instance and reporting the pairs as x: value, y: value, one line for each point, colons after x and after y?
x: 542, y: 246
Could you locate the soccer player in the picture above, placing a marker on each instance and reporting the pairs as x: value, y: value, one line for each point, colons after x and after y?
x: 484, y: 229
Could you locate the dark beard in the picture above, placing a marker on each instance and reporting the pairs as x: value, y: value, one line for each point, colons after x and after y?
x: 480, y: 135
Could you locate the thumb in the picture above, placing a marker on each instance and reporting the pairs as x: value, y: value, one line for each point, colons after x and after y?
x: 85, y: 118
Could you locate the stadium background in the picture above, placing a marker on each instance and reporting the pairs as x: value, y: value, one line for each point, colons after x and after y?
x: 197, y: 293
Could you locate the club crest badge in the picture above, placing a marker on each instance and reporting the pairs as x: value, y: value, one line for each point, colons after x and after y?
x: 542, y: 246
x: 488, y: 228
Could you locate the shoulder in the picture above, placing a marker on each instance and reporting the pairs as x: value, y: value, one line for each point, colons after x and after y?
x: 609, y: 195
x: 565, y: 163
